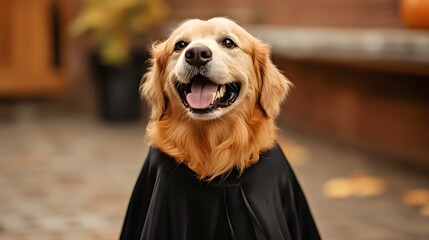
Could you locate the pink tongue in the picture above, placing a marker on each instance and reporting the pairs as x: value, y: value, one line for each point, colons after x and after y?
x: 201, y: 95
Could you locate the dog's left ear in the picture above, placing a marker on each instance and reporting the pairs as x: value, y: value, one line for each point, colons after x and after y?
x: 274, y: 86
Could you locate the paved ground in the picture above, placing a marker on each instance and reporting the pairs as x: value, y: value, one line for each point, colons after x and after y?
x: 70, y: 177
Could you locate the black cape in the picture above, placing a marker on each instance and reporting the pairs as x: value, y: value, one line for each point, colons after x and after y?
x: 265, y: 202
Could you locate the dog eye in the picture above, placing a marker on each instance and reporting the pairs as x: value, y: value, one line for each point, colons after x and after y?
x: 180, y: 45
x: 227, y: 42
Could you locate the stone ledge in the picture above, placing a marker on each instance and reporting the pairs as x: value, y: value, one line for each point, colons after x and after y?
x: 391, y: 45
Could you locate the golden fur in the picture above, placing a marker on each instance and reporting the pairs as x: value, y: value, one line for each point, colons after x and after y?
x: 233, y: 137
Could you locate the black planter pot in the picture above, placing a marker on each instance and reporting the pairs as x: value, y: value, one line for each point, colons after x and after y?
x: 117, y: 88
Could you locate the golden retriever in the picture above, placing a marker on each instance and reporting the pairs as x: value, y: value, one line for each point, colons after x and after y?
x: 214, y: 93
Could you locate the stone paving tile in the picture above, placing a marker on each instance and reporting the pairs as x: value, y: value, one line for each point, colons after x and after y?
x: 70, y: 177
x: 66, y: 178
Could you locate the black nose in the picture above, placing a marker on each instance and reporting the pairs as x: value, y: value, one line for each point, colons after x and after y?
x: 198, y: 56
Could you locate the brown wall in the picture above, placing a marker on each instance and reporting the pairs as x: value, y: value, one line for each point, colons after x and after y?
x: 317, y: 13
x: 380, y: 111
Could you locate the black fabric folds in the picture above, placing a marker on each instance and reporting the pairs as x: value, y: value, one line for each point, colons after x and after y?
x: 264, y: 203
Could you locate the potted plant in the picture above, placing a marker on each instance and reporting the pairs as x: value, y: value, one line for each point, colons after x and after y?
x: 115, y: 26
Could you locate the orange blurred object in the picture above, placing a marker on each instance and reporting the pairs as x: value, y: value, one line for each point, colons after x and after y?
x: 415, y: 13
x: 359, y: 184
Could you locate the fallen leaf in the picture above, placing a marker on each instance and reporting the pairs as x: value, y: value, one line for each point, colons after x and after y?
x: 368, y: 186
x: 416, y: 197
x: 424, y: 211
x: 338, y: 188
x: 296, y: 153
x: 359, y: 184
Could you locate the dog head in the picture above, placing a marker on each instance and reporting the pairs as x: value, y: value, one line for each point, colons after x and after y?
x: 208, y: 69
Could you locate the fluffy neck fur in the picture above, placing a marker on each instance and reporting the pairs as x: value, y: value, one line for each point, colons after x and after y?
x: 215, y: 147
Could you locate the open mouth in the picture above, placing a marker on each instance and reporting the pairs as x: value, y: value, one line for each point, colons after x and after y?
x: 203, y: 96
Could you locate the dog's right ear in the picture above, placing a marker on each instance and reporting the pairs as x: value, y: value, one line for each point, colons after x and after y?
x: 152, y: 88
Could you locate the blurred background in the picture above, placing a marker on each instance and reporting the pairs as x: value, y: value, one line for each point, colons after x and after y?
x: 355, y: 126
